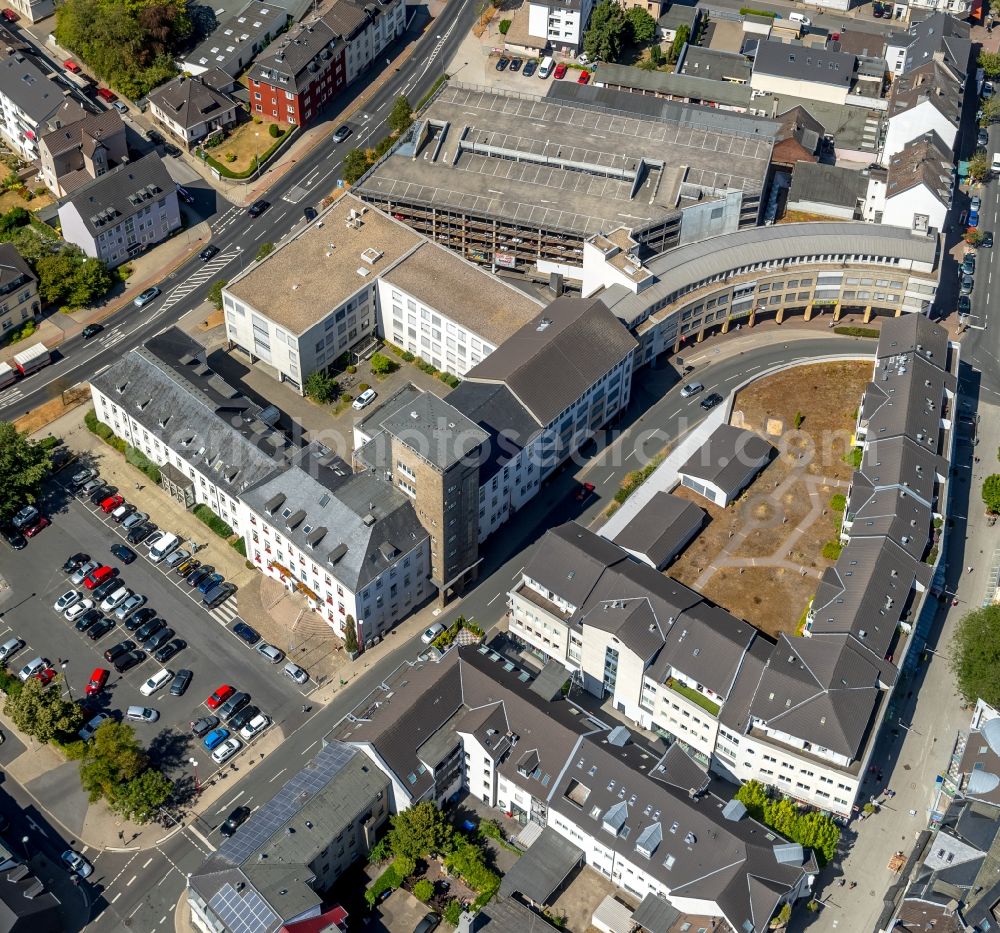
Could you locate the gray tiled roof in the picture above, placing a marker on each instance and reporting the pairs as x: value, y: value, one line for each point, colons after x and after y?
x: 122, y: 192
x: 539, y: 873
x: 552, y: 361
x: 657, y: 530
x: 900, y: 464
x: 728, y: 458
x: 436, y: 430
x: 191, y: 101
x: 827, y: 184
x: 804, y: 63
x: 38, y: 96
x: 95, y: 126
x: 14, y: 271
x: 906, y: 398
x: 911, y: 333
x: 290, y: 55
x: 930, y: 82
x: 939, y: 37
x: 691, y: 86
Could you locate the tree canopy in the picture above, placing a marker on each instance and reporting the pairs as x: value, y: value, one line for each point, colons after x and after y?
x: 401, y: 116
x: 41, y: 711
x: 990, y: 110
x: 990, y: 61
x: 642, y: 26
x: 130, y: 44
x: 321, y: 388
x: 23, y: 466
x: 991, y: 492
x: 975, y: 656
x: 979, y: 166
x: 418, y: 831
x: 355, y: 165
x: 607, y: 32
x: 811, y: 829
x: 116, y: 768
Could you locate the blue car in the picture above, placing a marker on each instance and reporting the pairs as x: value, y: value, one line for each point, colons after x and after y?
x: 215, y: 738
x: 973, y: 219
x: 211, y: 580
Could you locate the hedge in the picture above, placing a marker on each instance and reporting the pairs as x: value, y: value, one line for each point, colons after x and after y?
x: 434, y: 89
x: 140, y: 461
x: 261, y: 159
x: 857, y: 331
x: 206, y: 515
x: 240, y: 546
x: 749, y: 11
x: 133, y: 456
x: 389, y: 880
x: 49, y: 442
x: 9, y: 684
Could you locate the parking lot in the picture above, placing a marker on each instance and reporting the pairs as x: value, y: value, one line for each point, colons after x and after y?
x: 213, y: 652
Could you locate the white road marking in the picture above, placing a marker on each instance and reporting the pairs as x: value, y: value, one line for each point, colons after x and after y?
x: 494, y: 599
x: 149, y: 862
x: 226, y: 806
x: 516, y: 575
x: 115, y: 898
x: 278, y: 775
x: 130, y: 880
x: 305, y: 750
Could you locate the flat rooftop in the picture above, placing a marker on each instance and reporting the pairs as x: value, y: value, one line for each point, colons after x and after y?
x: 324, y: 264
x: 565, y: 165
x: 467, y: 294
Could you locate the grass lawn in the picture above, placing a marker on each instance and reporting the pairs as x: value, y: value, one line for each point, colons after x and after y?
x: 699, y: 699
x: 246, y: 141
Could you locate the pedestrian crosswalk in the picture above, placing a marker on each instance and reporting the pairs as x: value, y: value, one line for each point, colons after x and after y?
x: 10, y: 397
x: 207, y: 272
x: 225, y: 613
x: 114, y: 336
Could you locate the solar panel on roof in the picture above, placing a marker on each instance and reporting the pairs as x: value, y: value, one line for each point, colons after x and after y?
x: 242, y: 911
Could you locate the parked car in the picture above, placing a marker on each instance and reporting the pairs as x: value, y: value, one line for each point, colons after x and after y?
x: 220, y: 696
x: 530, y: 67
x: 431, y: 633
x: 15, y: 539
x: 226, y: 750
x: 81, y: 572
x: 150, y: 628
x: 141, y: 714
x: 46, y: 675
x: 11, y: 647
x: 136, y: 518
x: 141, y: 532
x: 135, y: 601
x: 271, y: 653
x: 98, y: 575
x: 33, y: 667
x: 186, y: 566
x: 975, y: 203
x: 139, y: 617
x: 196, y: 576
x: 968, y: 283
x: 982, y: 138
x: 88, y: 619
x: 176, y: 557
x: 100, y: 628
x: 115, y: 598
x: 122, y: 512
x: 87, y: 732
x: 100, y: 492
x: 560, y: 71
x: 233, y: 705
x: 182, y: 680
x: 200, y: 726
x: 111, y: 503
x: 78, y: 609
x: 39, y: 524
x: 584, y: 77
x: 171, y: 648
x: 585, y: 491
x: 968, y: 266
x: 973, y: 220
x: 515, y: 64
x: 8, y: 14
x: 66, y: 600
x: 75, y: 562
x: 364, y: 399
x: 215, y: 738
x: 213, y: 579
x: 234, y: 821
x: 116, y: 651
x: 218, y: 594
x: 295, y: 673
x: 987, y: 242
x: 964, y: 304
x: 156, y: 681
x: 97, y: 681
x: 80, y: 477
x: 502, y: 63
x: 245, y: 633
x: 255, y: 727
x: 124, y: 553
x: 240, y: 719
x: 127, y: 661
x: 145, y: 297
x: 158, y: 639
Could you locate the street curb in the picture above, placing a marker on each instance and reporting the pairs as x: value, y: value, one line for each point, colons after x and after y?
x: 125, y: 849
x: 178, y: 828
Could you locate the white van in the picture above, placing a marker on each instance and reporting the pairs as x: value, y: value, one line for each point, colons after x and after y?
x: 995, y: 167
x: 160, y: 548
x: 545, y: 68
x: 800, y: 18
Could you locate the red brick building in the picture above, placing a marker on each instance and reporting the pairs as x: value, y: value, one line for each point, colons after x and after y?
x: 298, y: 74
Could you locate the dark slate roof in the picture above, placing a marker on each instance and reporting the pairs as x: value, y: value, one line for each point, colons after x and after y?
x: 906, y: 398
x: 735, y: 713
x: 122, y: 192
x: 508, y: 915
x: 913, y: 333
x: 728, y: 457
x: 93, y: 127
x: 714, y: 63
x: 191, y: 101
x: 544, y: 868
x: 436, y: 430
x: 348, y: 17
x: 661, y: 527
x: 552, y: 361
x: 15, y: 273
x: 33, y: 92
x: 899, y: 464
x: 827, y: 184
x: 939, y: 37
x: 25, y: 905
x: 655, y: 914
x: 683, y: 86
x: 930, y: 82
x: 498, y: 412
x: 285, y: 63
x: 822, y: 688
x: 804, y: 63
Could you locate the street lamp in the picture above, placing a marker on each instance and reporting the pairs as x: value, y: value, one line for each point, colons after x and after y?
x: 197, y: 782
x: 24, y: 841
x: 239, y: 249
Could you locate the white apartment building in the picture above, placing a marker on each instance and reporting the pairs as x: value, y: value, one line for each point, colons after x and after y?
x: 368, y: 28
x: 560, y: 24
x: 355, y: 274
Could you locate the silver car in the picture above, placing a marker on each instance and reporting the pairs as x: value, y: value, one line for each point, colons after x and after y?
x: 82, y: 571
x: 274, y: 655
x: 135, y: 601
x: 11, y: 647
x: 175, y: 557
x: 134, y: 519
x: 114, y: 599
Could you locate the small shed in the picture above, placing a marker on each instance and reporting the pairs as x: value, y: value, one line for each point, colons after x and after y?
x: 661, y: 530
x: 725, y: 464
x: 544, y: 869
x: 612, y: 916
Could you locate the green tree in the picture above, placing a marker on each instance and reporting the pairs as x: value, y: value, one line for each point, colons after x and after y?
x: 418, y: 831
x: 355, y: 165
x: 975, y: 656
x: 990, y: 63
x: 642, y: 26
x: 504, y: 26
x: 991, y: 492
x: 753, y: 795
x: 656, y: 55
x: 215, y: 293
x: 42, y: 712
x: 979, y: 166
x: 818, y: 832
x: 321, y: 388
x: 681, y: 37
x: 139, y: 800
x: 13, y: 219
x: 113, y: 758
x: 381, y: 364
x: 23, y: 465
x: 990, y: 111
x: 606, y: 33
x: 90, y: 281
x: 350, y: 634
x: 423, y: 890
x: 401, y: 116
x: 781, y: 918
x: 995, y: 9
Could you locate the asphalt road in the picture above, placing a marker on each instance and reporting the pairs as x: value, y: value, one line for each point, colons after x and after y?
x: 238, y: 237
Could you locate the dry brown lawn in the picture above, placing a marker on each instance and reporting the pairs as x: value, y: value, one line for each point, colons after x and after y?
x: 48, y: 412
x: 246, y: 141
x: 773, y: 598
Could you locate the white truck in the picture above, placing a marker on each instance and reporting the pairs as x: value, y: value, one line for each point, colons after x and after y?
x: 27, y: 361
x: 8, y: 375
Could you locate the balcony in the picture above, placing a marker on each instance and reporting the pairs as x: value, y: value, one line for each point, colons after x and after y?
x: 533, y: 596
x: 699, y: 699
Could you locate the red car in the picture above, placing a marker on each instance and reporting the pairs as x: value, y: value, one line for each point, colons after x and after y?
x: 584, y: 77
x: 220, y: 696
x: 45, y: 676
x: 112, y: 503
x: 98, y: 576
x: 97, y: 681
x: 560, y: 71
x: 42, y: 522
x: 71, y: 65
x: 585, y: 490
x: 107, y: 95
x: 9, y: 15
